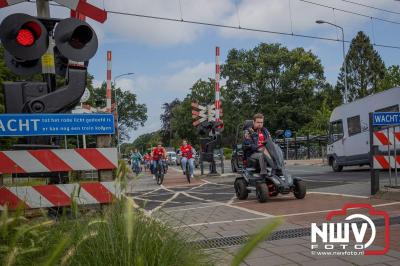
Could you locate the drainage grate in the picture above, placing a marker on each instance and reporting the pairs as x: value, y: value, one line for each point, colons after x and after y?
x: 281, y: 234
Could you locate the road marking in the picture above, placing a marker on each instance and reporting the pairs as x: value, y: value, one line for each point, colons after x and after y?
x: 157, y: 189
x: 153, y: 200
x: 284, y: 215
x: 338, y: 194
x: 250, y: 211
x: 216, y: 204
x: 194, y: 197
x: 165, y: 202
x: 198, y: 186
x: 231, y: 200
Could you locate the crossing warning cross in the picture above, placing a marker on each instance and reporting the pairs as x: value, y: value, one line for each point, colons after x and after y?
x: 204, y: 113
x: 79, y: 6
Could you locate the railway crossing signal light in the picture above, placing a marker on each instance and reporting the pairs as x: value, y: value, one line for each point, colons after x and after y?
x: 26, y: 42
x: 75, y: 39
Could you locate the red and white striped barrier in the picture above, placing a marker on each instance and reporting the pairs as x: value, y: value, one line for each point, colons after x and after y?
x: 386, y: 162
x: 108, y: 88
x: 57, y: 160
x: 383, y: 137
x: 45, y: 196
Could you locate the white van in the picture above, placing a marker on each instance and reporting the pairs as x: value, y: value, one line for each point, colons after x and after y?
x: 349, y: 128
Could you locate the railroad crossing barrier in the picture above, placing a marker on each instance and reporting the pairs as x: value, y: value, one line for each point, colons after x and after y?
x: 384, y: 147
x: 60, y: 195
x: 57, y: 160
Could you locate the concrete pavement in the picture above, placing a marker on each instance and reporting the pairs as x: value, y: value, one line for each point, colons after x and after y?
x: 207, y: 210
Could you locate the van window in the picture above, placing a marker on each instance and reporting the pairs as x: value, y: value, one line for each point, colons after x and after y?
x: 393, y: 108
x: 354, y: 125
x: 336, y: 130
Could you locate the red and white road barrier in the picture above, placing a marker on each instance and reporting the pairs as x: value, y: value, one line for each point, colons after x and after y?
x: 108, y: 89
x: 217, y: 87
x: 383, y: 137
x: 386, y: 162
x: 57, y: 160
x: 45, y: 196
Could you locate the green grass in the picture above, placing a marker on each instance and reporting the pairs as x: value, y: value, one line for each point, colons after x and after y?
x: 120, y: 235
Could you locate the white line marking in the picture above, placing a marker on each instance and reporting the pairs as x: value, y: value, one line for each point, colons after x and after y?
x: 194, y: 197
x: 284, y: 215
x: 231, y: 200
x: 198, y: 186
x: 157, y: 189
x: 195, y: 208
x: 250, y: 211
x: 338, y: 194
x: 165, y: 202
x: 151, y: 200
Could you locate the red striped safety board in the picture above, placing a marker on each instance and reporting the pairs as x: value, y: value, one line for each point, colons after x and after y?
x: 57, y: 160
x: 383, y: 137
x: 386, y: 162
x: 44, y: 196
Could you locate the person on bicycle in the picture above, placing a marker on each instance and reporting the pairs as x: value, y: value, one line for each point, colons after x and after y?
x: 136, y: 158
x: 158, y: 154
x: 187, y: 152
x: 147, y: 160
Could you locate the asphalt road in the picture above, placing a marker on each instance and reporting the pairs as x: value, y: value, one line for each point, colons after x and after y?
x: 325, y: 173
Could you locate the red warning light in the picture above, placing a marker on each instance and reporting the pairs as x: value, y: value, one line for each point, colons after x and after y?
x: 25, y: 37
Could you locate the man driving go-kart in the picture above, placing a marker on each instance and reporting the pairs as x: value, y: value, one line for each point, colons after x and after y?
x: 263, y: 166
x: 259, y: 146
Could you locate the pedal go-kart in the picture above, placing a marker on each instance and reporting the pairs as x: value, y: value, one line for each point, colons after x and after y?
x: 268, y: 185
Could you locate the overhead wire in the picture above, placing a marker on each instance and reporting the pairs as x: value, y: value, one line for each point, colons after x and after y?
x: 371, y: 7
x: 351, y: 12
x: 237, y: 27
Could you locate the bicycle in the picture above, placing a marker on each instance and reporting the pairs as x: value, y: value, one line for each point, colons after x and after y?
x: 136, y: 168
x: 159, y: 172
x: 187, y: 170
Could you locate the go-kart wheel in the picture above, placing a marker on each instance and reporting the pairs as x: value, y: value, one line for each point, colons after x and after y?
x: 241, y: 189
x: 233, y: 167
x: 262, y: 192
x: 300, y: 189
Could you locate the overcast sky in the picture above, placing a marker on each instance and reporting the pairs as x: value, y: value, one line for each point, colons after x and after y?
x: 168, y: 57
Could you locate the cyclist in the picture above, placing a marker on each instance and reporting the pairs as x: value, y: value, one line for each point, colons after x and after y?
x: 147, y: 160
x: 187, y: 152
x: 158, y: 154
x: 136, y: 158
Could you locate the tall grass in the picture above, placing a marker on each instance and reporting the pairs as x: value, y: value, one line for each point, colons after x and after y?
x: 120, y: 236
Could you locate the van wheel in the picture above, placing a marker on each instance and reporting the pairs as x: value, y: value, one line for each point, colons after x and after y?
x: 336, y: 167
x: 241, y: 189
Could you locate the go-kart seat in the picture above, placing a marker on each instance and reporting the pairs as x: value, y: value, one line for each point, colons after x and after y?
x: 253, y: 164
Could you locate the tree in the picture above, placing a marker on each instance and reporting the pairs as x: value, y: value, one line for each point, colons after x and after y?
x: 365, y: 69
x: 271, y: 79
x: 391, y: 79
x: 166, y: 117
x: 131, y: 113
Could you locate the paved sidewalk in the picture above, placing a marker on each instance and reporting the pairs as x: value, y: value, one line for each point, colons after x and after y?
x: 207, y: 210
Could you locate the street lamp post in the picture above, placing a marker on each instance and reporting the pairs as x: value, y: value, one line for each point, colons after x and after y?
x: 116, y: 107
x: 344, y: 55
